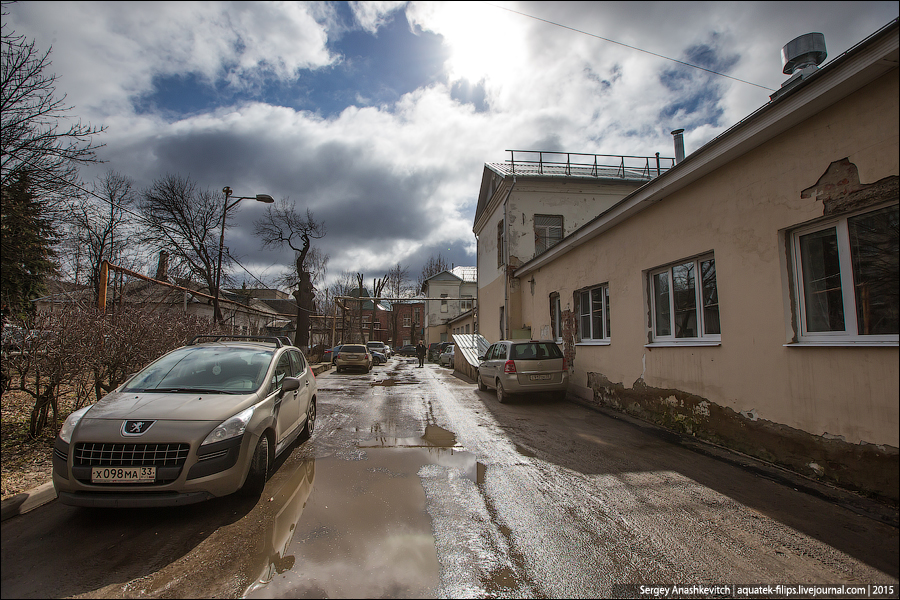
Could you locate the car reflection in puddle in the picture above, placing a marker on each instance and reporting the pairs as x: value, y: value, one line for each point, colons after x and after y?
x: 289, y: 502
x: 365, y: 530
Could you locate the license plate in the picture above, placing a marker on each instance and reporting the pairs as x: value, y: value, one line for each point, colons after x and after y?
x: 541, y: 377
x: 123, y: 474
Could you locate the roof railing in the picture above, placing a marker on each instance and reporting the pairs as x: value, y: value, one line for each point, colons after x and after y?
x: 576, y: 164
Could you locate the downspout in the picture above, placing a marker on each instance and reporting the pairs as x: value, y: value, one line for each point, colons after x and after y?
x: 505, y: 332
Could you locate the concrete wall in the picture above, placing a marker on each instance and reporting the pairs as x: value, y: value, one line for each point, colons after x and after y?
x: 828, y: 412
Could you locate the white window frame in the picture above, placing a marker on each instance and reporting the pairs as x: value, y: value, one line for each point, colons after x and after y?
x: 586, y: 309
x: 703, y: 338
x: 556, y: 317
x: 850, y: 335
x: 407, y: 321
x: 545, y: 233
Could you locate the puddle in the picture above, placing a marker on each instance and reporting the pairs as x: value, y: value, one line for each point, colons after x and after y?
x: 363, y: 530
x: 440, y: 446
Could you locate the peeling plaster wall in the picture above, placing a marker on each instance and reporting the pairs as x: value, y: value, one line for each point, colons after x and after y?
x: 868, y: 468
x: 827, y: 412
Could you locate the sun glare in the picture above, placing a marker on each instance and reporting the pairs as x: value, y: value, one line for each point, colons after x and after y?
x: 483, y: 43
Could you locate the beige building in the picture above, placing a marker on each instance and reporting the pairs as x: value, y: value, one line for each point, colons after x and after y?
x: 530, y: 203
x: 449, y: 294
x: 748, y: 295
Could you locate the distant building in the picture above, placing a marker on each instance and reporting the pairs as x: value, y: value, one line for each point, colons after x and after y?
x: 449, y: 294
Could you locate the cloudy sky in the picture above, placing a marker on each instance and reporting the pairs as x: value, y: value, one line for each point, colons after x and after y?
x: 379, y: 116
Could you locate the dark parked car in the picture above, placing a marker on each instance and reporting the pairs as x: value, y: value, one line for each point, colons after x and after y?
x: 330, y: 355
x: 407, y: 350
x: 202, y: 421
x: 434, y: 351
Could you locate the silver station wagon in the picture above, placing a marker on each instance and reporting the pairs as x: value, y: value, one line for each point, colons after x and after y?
x: 523, y: 367
x: 202, y: 421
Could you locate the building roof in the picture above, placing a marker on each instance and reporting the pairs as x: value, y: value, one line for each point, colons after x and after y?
x: 467, y: 274
x: 834, y: 81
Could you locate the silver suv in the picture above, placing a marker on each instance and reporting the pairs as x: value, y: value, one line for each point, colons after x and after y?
x: 202, y: 421
x: 523, y: 367
x: 377, y: 347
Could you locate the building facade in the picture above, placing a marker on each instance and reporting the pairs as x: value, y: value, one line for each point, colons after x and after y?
x: 749, y: 295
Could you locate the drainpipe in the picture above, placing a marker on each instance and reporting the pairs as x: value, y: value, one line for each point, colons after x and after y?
x: 505, y: 332
x: 679, y: 145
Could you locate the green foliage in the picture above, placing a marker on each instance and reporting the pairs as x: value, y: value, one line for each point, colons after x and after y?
x: 26, y: 246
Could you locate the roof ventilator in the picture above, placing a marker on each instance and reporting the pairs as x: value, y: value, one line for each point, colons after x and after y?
x: 801, y: 58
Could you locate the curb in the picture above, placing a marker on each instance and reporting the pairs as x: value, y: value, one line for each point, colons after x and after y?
x: 24, y: 502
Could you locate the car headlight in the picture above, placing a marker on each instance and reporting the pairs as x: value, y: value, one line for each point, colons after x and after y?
x: 68, y: 428
x: 230, y: 428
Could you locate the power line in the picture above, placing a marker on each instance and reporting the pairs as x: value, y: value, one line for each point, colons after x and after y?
x: 675, y: 60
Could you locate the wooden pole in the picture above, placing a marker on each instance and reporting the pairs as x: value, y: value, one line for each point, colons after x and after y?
x: 104, y: 277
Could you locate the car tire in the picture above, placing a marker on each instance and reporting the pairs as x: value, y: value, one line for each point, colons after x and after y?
x: 259, y: 469
x: 310, y: 426
x: 481, y: 385
x: 502, y: 396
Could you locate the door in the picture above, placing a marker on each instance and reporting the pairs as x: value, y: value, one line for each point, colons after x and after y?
x: 287, y: 408
x: 304, y: 394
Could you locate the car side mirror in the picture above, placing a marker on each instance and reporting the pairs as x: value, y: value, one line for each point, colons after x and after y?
x: 481, y: 358
x: 288, y: 385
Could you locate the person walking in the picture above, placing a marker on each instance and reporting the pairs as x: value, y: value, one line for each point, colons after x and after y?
x: 421, y: 350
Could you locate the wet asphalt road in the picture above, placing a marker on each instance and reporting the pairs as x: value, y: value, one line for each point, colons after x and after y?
x: 417, y: 485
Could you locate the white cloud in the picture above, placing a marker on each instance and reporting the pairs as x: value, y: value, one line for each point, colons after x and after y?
x: 396, y: 182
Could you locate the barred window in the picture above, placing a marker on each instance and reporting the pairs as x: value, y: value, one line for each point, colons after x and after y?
x: 548, y: 231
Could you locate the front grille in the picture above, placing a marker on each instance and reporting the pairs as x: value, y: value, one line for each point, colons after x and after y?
x: 131, y: 455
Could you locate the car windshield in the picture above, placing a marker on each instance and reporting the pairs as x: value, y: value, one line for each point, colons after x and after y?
x: 360, y: 349
x: 535, y: 351
x: 207, y: 369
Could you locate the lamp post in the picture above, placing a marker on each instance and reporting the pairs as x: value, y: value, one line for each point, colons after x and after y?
x: 227, y: 190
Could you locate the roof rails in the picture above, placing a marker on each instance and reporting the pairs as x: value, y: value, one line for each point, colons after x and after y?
x: 280, y: 341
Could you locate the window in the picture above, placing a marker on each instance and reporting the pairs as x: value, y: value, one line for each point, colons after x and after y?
x: 555, y: 317
x: 406, y: 320
x: 548, y: 231
x: 846, y: 274
x: 466, y: 303
x: 444, y: 302
x: 500, y: 243
x: 685, y: 302
x: 593, y: 314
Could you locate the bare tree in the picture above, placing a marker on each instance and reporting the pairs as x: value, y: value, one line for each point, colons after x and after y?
x: 334, y: 303
x: 436, y: 264
x: 283, y: 225
x: 377, y: 288
x: 100, y: 223
x: 183, y: 220
x: 397, y: 287
x: 32, y: 139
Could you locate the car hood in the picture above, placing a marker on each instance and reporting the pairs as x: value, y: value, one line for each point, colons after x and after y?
x: 170, y: 406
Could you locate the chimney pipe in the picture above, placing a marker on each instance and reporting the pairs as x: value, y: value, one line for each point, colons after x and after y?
x: 679, y: 145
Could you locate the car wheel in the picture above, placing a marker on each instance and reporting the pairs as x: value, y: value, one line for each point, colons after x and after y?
x: 259, y: 469
x: 502, y: 396
x: 481, y: 385
x: 310, y: 426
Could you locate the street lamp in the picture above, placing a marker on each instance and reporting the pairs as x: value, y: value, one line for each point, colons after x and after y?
x: 227, y: 190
